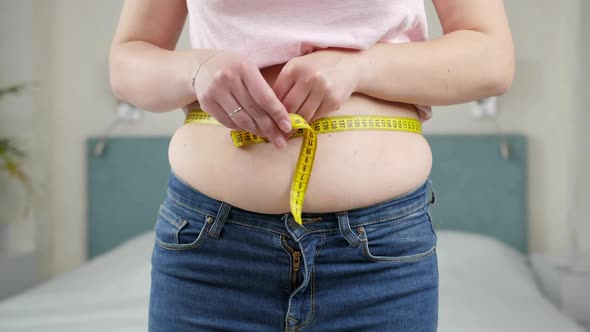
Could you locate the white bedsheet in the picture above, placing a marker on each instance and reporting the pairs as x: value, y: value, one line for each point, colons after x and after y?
x: 484, y: 286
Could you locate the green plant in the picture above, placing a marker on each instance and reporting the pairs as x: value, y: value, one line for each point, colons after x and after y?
x: 11, y: 156
x: 13, y: 89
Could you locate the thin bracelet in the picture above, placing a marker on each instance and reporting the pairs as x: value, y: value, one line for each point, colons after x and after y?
x: 197, y: 71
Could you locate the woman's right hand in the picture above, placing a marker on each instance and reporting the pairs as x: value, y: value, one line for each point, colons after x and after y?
x: 227, y: 81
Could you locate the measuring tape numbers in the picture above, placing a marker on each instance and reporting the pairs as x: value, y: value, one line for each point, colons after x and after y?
x: 309, y: 131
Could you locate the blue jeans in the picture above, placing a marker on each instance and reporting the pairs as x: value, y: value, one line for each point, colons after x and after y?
x: 216, y: 267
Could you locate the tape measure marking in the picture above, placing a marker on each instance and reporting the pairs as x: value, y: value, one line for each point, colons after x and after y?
x: 308, y: 149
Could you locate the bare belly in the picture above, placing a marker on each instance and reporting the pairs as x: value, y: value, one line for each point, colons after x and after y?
x: 352, y: 169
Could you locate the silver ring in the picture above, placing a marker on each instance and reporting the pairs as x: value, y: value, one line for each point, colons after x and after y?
x: 232, y: 114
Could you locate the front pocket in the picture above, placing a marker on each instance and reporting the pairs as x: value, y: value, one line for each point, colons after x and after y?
x: 408, y: 239
x: 176, y: 232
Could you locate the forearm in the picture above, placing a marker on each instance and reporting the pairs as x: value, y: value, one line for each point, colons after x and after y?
x: 152, y: 78
x: 460, y: 66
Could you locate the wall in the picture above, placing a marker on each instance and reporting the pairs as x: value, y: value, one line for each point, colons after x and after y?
x: 582, y: 170
x: 17, y: 228
x: 75, y: 102
x: 540, y: 104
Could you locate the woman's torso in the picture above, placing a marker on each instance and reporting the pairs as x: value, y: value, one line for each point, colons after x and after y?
x: 352, y: 169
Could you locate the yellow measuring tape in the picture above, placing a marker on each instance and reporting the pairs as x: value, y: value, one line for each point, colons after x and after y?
x: 309, y: 143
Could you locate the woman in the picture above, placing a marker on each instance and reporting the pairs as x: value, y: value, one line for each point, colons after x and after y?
x: 228, y: 254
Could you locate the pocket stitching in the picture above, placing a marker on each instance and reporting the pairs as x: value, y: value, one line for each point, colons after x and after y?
x: 204, y: 213
x: 395, y: 218
x: 187, y: 246
x: 398, y: 259
x: 431, y: 223
x: 166, y: 214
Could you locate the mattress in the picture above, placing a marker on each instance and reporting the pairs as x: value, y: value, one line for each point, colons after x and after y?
x: 484, y: 286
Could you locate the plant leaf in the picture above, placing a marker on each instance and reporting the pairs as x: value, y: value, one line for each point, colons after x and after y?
x: 8, y: 148
x: 13, y: 89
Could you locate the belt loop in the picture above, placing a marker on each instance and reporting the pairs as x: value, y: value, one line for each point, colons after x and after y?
x: 296, y: 231
x: 219, y: 220
x: 345, y: 230
x: 433, y: 196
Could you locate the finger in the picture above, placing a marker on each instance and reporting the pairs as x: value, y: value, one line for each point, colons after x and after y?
x: 327, y: 105
x: 262, y: 119
x: 265, y: 97
x: 220, y: 115
x: 210, y: 105
x: 283, y: 83
x: 296, y: 97
x: 268, y: 128
x: 242, y: 118
x: 311, y: 104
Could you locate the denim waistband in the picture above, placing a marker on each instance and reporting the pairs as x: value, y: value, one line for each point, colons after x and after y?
x: 189, y: 198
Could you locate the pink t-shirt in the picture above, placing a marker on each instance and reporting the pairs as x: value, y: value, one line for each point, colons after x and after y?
x: 274, y: 31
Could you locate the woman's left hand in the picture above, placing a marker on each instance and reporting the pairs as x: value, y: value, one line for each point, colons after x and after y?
x: 318, y: 83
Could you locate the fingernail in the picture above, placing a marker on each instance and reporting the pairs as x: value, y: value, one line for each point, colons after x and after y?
x: 285, y: 125
x: 280, y: 142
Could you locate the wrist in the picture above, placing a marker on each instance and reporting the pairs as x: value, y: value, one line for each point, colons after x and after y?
x: 357, y: 63
x: 196, y: 66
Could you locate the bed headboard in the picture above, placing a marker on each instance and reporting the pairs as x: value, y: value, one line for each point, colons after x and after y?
x: 476, y: 190
x: 126, y: 186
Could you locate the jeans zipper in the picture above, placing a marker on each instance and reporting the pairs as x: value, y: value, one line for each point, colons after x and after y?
x: 296, y: 262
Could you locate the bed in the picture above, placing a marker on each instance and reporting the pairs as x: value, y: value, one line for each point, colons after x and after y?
x: 486, y: 283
